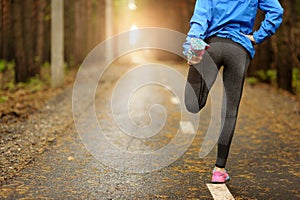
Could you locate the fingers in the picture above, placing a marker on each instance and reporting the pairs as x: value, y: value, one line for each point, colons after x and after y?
x: 195, y: 60
x: 251, y: 38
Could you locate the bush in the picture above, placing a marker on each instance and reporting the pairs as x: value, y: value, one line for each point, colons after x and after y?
x: 296, y: 80
x: 267, y: 76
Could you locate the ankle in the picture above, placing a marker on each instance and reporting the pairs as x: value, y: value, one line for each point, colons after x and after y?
x: 219, y: 169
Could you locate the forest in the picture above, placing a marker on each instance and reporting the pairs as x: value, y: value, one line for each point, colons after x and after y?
x: 25, y: 36
x: 67, y: 132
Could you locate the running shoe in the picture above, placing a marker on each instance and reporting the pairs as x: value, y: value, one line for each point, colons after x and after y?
x: 219, y: 176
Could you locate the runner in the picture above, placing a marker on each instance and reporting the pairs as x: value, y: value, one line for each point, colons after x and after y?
x: 227, y: 27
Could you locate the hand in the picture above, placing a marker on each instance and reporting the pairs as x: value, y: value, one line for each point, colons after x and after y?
x: 251, y: 38
x: 195, y: 60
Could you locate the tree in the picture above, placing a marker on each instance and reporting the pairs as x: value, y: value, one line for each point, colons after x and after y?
x: 39, y: 7
x: 27, y: 31
x: 264, y: 52
x: 57, y: 43
x: 284, y: 64
x: 21, y: 71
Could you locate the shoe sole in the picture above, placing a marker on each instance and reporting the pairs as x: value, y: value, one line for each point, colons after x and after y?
x: 214, y: 182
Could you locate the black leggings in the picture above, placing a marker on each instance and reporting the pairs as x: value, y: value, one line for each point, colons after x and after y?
x: 235, y: 59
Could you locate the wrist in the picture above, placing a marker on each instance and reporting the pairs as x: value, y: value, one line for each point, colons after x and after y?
x: 257, y: 38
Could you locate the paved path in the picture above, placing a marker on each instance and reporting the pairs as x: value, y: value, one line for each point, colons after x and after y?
x: 264, y: 160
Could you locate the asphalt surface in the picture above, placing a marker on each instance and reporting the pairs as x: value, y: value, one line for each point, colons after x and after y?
x: 263, y: 162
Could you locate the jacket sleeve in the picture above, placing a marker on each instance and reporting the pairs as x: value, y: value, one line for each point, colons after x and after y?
x: 273, y: 18
x: 200, y: 19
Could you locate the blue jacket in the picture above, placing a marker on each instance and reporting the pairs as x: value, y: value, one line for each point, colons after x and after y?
x: 234, y: 19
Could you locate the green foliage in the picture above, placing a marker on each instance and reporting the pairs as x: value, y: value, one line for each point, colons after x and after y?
x: 11, y: 65
x: 46, y: 65
x: 45, y: 72
x: 267, y: 76
x: 252, y: 80
x: 298, y: 6
x: 66, y: 66
x: 296, y: 74
x: 5, y: 65
x: 2, y: 65
x: 270, y: 76
x: 11, y: 85
x: 33, y: 84
x: 3, y: 99
x: 7, y: 74
x: 296, y: 80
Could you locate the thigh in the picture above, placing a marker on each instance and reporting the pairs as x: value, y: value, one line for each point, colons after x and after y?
x: 209, y: 67
x: 236, y: 61
x: 200, y: 79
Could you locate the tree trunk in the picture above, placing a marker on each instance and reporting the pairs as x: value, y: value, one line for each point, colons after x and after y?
x: 5, y: 38
x: 40, y: 6
x: 264, y: 54
x: 69, y: 32
x: 89, y: 26
x: 2, y: 3
x: 47, y: 32
x: 57, y: 43
x: 78, y: 33
x: 21, y: 72
x: 284, y: 63
x: 29, y: 29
